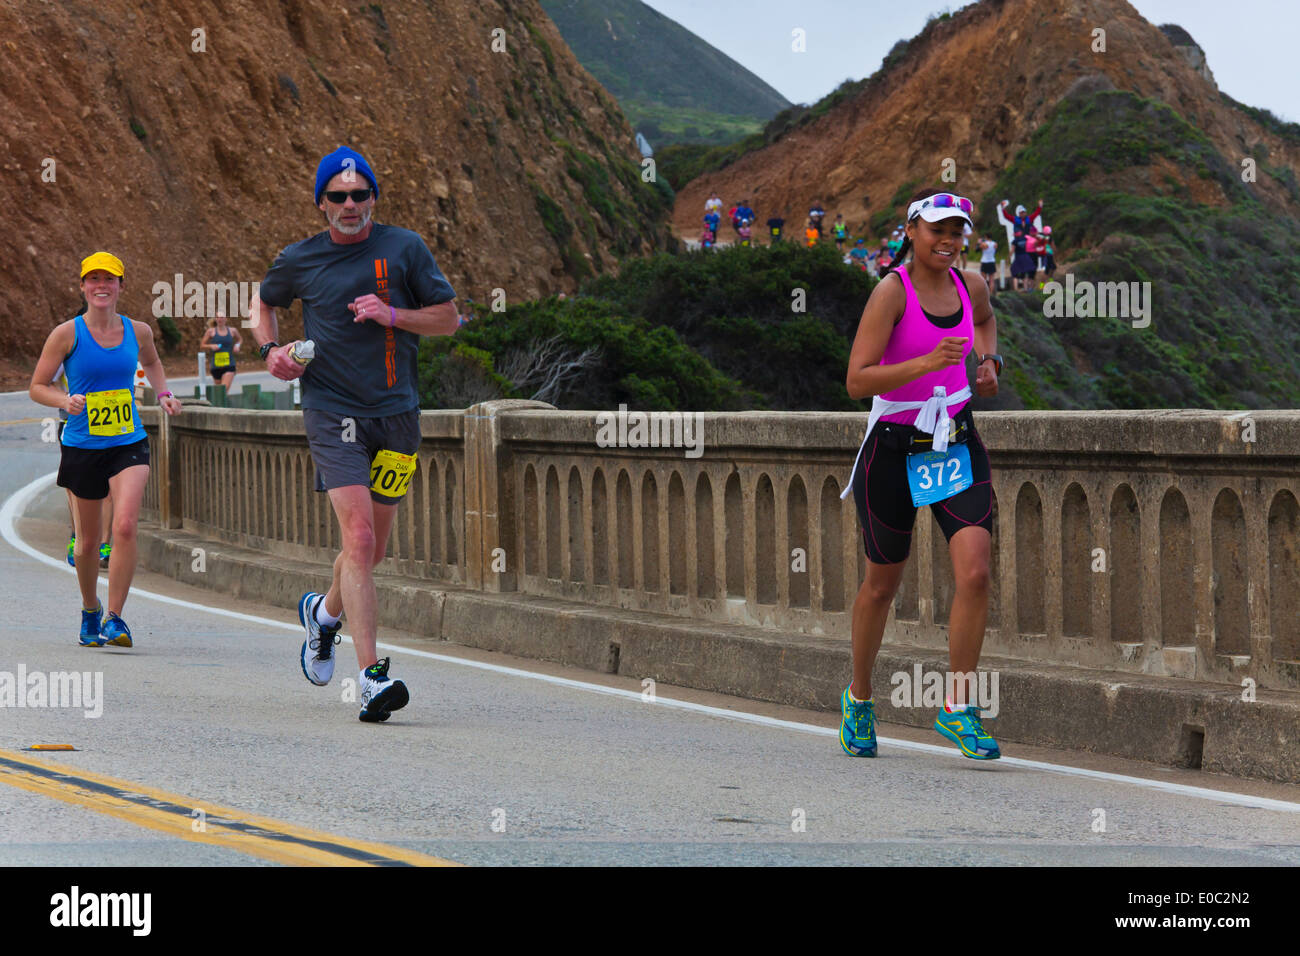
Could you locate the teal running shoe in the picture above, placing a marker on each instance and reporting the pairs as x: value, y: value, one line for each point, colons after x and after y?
x: 858, y: 727
x: 105, y: 550
x: 115, y: 633
x: 72, y: 547
x: 90, y: 630
x: 963, y: 728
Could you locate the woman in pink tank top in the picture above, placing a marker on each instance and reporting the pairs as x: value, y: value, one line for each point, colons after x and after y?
x: 921, y: 447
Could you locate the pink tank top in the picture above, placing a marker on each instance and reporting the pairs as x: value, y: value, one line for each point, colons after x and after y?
x: 916, y: 335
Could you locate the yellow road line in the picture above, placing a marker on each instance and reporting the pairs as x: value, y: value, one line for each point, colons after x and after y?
x: 219, y: 826
x: 25, y: 421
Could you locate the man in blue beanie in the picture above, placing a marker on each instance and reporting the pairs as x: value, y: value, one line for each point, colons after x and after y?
x: 368, y: 292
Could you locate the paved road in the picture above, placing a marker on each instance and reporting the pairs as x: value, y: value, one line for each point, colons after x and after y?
x: 269, y: 383
x: 493, y: 766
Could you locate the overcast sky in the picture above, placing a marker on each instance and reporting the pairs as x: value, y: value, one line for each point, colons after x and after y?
x: 1250, y: 44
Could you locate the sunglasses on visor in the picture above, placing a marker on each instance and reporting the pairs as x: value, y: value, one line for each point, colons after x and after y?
x: 946, y: 201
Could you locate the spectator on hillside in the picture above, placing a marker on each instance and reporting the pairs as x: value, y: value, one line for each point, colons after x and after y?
x: 1049, y: 253
x: 815, y: 215
x: 774, y: 227
x: 1022, y: 264
x: 743, y: 214
x: 1028, y: 223
x: 988, y: 260
x: 858, y: 255
x: 1022, y: 220
x: 840, y: 229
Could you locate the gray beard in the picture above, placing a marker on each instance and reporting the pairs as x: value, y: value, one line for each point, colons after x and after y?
x: 350, y: 230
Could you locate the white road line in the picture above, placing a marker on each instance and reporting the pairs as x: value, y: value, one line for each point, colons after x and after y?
x: 18, y: 501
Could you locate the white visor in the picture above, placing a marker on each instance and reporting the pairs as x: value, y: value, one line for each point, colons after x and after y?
x: 926, y: 209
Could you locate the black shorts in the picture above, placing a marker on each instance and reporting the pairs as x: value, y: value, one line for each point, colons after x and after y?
x: 85, y: 471
x: 343, y: 447
x: 988, y: 268
x: 885, y: 510
x: 218, y: 372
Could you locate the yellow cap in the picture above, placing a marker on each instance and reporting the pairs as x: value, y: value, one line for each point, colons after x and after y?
x: 102, y: 260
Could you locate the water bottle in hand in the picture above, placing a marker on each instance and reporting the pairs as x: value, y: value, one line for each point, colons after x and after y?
x: 303, y: 352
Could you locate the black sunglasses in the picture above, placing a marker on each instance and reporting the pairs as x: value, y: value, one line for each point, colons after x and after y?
x: 340, y: 196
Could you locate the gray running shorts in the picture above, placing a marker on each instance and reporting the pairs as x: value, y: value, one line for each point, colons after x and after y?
x: 345, y: 450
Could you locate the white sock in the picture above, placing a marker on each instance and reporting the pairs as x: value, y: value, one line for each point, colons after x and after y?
x: 323, y: 616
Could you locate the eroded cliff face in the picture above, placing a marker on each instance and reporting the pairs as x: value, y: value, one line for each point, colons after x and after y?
x: 972, y: 89
x: 184, y: 135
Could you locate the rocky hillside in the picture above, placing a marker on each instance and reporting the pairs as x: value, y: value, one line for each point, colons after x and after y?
x: 184, y: 135
x: 673, y: 86
x: 973, y: 88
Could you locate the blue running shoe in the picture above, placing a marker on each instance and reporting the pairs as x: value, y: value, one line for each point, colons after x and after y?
x: 317, y: 655
x: 858, y: 728
x: 380, y: 694
x: 105, y: 550
x: 90, y: 630
x: 963, y: 728
x: 115, y: 632
x: 72, y: 547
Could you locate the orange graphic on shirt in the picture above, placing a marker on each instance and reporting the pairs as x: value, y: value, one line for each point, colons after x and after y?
x: 390, y: 340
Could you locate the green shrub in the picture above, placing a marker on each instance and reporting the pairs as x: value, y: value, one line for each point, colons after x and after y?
x: 171, y: 335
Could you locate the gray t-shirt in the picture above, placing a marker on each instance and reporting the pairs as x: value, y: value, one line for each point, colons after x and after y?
x: 361, y: 368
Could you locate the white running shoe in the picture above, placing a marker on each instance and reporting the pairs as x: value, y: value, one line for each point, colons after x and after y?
x: 380, y: 695
x: 318, y: 649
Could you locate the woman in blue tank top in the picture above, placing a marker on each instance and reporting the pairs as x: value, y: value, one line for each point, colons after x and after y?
x: 221, y: 341
x: 104, y: 448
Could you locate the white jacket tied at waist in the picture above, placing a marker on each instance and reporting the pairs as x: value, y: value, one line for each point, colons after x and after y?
x: 932, y: 419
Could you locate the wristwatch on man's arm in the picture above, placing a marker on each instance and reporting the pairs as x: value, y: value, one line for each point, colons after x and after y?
x: 997, y: 361
x: 266, y: 349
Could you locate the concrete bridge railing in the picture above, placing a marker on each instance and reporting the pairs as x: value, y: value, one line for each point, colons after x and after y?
x: 1161, y: 542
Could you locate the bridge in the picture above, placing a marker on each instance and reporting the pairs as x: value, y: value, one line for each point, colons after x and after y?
x: 630, y: 654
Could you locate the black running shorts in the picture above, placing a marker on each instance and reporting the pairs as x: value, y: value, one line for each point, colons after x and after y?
x: 343, y: 447
x: 885, y: 510
x: 85, y: 471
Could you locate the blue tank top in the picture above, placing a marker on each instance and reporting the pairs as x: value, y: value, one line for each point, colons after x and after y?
x: 94, y: 371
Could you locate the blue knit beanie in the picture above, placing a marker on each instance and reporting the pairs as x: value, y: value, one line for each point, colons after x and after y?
x: 338, y: 161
